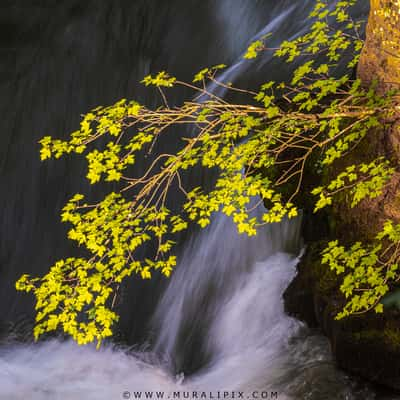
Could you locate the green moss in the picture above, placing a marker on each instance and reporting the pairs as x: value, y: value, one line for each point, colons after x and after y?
x: 324, y: 280
x: 368, y: 335
x: 389, y: 337
x: 392, y: 337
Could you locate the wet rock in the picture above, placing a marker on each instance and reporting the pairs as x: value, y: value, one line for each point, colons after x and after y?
x: 367, y: 345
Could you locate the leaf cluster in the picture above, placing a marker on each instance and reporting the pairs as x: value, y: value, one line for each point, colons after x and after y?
x: 283, y: 127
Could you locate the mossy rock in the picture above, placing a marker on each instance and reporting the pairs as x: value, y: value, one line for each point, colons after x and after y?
x: 367, y: 345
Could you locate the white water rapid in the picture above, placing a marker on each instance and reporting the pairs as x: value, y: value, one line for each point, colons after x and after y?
x: 227, y: 285
x: 223, y: 307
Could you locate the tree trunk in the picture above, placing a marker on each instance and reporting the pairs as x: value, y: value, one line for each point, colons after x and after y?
x: 380, y: 58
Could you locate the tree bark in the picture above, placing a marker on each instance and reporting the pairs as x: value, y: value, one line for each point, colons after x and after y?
x: 380, y: 58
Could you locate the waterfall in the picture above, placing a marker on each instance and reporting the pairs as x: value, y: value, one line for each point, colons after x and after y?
x: 215, y: 267
x: 219, y: 325
x: 241, y: 64
x: 223, y: 303
x: 64, y: 58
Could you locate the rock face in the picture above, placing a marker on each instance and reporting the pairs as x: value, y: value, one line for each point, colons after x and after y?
x: 367, y: 345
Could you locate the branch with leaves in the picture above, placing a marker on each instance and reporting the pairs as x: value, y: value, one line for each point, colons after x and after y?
x: 262, y: 148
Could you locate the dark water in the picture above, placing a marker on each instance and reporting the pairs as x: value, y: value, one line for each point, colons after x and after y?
x: 58, y: 60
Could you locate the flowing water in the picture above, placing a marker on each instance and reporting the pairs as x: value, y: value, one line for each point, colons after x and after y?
x: 219, y: 325
x: 221, y: 318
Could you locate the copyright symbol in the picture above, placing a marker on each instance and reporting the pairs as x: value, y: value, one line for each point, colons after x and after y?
x: 126, y: 395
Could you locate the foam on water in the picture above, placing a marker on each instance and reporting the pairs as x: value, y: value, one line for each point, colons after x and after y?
x: 246, y: 330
